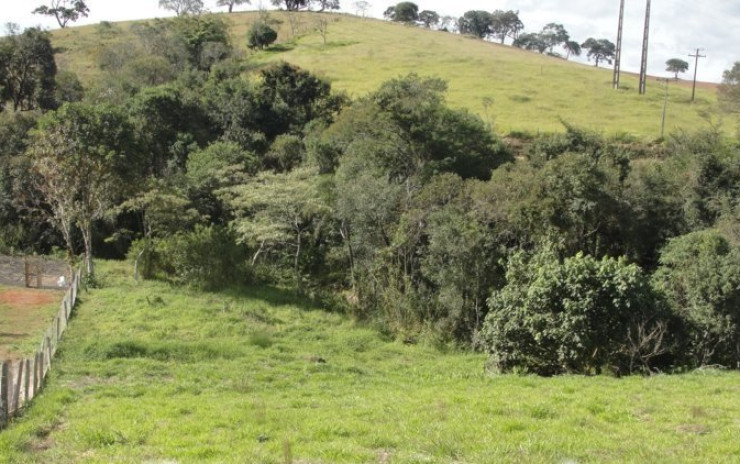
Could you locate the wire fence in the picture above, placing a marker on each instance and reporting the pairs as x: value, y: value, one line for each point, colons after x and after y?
x: 22, y: 380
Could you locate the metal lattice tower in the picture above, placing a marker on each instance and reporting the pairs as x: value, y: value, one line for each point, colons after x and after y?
x: 643, y: 66
x: 618, y: 55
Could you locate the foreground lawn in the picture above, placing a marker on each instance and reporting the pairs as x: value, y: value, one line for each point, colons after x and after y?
x: 154, y: 374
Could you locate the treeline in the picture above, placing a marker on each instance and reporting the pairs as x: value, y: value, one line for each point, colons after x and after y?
x: 501, y: 25
x: 574, y: 253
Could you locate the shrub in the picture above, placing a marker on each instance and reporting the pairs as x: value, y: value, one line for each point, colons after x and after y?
x: 206, y: 257
x: 579, y: 315
x: 699, y: 275
x: 260, y: 36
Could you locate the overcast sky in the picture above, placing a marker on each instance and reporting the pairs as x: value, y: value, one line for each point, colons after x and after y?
x: 678, y: 27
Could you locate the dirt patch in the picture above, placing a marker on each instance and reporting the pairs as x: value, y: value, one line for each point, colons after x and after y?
x: 24, y: 316
x: 18, y: 299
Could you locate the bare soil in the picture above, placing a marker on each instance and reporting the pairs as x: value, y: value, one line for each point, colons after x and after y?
x: 24, y: 315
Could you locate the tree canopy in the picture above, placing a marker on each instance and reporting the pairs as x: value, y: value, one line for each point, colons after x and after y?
x: 729, y: 89
x: 64, y: 11
x: 27, y: 70
x: 599, y: 50
x: 676, y: 65
x: 403, y: 12
x: 232, y: 3
x: 476, y: 22
x: 183, y: 7
x: 506, y: 24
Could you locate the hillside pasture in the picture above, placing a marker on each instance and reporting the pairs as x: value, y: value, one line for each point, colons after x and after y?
x: 512, y: 89
x: 155, y: 374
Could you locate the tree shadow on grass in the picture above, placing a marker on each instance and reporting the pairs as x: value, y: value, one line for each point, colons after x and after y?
x: 279, y: 48
x: 275, y: 296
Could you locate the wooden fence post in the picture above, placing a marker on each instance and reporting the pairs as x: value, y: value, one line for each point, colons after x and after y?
x: 4, y: 399
x: 17, y: 389
x: 47, y: 355
x: 39, y: 371
x: 27, y: 385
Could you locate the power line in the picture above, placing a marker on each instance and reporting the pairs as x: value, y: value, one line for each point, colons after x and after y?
x: 618, y: 54
x: 696, y: 67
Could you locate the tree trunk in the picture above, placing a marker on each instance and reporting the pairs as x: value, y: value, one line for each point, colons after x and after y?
x: 297, y: 257
x: 87, y: 239
x: 345, y: 233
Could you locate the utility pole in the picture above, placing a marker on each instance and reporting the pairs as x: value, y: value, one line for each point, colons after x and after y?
x: 696, y: 67
x: 618, y: 55
x: 643, y: 65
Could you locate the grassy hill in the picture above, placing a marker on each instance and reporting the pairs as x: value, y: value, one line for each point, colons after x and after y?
x: 514, y: 90
x: 154, y: 374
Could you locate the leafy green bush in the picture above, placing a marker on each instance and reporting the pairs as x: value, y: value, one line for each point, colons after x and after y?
x: 579, y: 315
x: 261, y: 36
x: 206, y: 257
x: 700, y: 277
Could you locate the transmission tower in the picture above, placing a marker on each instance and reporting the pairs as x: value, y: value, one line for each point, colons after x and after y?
x: 643, y: 66
x: 618, y: 55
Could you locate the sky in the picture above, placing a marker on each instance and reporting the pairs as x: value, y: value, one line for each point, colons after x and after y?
x: 677, y: 27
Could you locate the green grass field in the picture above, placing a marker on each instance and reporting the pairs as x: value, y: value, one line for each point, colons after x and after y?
x: 514, y: 90
x: 156, y: 374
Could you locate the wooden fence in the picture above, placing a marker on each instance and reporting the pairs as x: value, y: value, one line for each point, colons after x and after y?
x: 21, y: 381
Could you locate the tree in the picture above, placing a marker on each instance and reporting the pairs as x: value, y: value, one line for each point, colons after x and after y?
x: 322, y: 27
x: 572, y: 48
x: 82, y: 155
x: 429, y: 18
x: 448, y: 23
x: 729, y: 89
x: 531, y: 41
x: 477, y: 23
x: 261, y: 35
x: 183, y: 7
x: 599, y: 50
x: 676, y: 65
x: 162, y: 211
x: 327, y: 4
x: 64, y: 11
x: 205, y: 38
x: 232, y: 3
x: 278, y: 212
x: 27, y: 70
x: 700, y: 277
x: 404, y: 12
x: 554, y: 34
x: 292, y: 5
x: 362, y: 7
x: 506, y: 24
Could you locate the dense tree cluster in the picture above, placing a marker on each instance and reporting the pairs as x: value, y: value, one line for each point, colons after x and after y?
x: 578, y: 253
